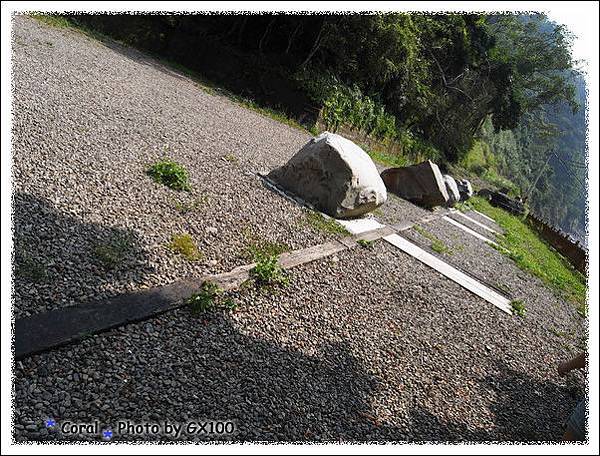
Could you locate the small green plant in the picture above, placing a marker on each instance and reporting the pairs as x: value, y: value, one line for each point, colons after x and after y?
x: 184, y: 207
x: 206, y: 299
x: 231, y: 158
x: 171, y: 174
x: 328, y: 225
x: 314, y: 130
x: 185, y: 245
x: 439, y: 247
x: 230, y: 304
x: 365, y: 244
x: 28, y: 268
x: 436, y: 244
x: 259, y: 249
x: 518, y: 308
x: 267, y: 272
x: 112, y: 253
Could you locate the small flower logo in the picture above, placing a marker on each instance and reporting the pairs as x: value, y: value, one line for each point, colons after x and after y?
x: 50, y: 423
x: 107, y: 434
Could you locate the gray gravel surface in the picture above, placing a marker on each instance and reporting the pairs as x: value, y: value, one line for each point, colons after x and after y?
x: 367, y: 345
x: 89, y: 119
x: 551, y: 313
x: 469, y: 223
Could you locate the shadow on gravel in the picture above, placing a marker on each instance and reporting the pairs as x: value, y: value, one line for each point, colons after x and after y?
x: 60, y: 261
x: 183, y: 369
x: 526, y: 409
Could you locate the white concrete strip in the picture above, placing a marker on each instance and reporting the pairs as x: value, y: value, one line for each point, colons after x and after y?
x: 357, y: 226
x: 452, y: 273
x: 468, y: 230
x: 479, y: 224
x: 485, y: 216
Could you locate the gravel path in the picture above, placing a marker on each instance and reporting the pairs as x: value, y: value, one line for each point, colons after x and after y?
x: 342, y: 353
x: 369, y: 344
x: 87, y: 124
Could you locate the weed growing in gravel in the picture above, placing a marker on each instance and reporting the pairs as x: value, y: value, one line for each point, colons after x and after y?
x: 328, y: 225
x: 259, y: 249
x: 209, y: 299
x: 439, y: 247
x: 205, y: 299
x: 267, y: 272
x: 365, y: 244
x: 436, y: 244
x: 184, y: 207
x: 113, y: 252
x: 185, y: 245
x: 231, y: 158
x: 523, y: 245
x: 30, y: 269
x: 171, y: 174
x: 518, y: 308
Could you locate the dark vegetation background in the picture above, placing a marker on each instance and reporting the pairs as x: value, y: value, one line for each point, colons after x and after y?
x: 495, y: 96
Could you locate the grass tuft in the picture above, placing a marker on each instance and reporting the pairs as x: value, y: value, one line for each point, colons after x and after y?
x: 185, y: 245
x: 518, y: 308
x: 327, y: 225
x: 112, y: 253
x: 171, y: 174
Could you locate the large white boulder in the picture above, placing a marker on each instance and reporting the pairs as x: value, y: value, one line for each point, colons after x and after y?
x: 334, y: 175
x: 452, y: 188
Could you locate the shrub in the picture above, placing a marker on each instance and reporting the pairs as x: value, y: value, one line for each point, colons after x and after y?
x: 171, y: 174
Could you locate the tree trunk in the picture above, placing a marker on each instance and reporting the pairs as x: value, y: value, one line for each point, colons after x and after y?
x: 315, y: 47
x: 264, y: 37
x: 291, y: 38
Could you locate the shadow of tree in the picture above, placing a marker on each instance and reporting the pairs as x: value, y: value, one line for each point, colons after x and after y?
x: 59, y: 260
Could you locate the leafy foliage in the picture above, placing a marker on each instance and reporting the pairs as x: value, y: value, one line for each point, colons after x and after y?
x: 267, y: 272
x: 210, y: 298
x: 171, y: 174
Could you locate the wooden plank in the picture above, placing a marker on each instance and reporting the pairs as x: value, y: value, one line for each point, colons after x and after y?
x: 452, y: 273
x: 298, y: 257
x: 469, y: 230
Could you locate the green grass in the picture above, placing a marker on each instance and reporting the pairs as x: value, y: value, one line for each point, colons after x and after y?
x: 327, y: 225
x: 387, y: 159
x: 185, y: 207
x: 112, y: 253
x: 437, y: 245
x: 30, y: 269
x: 518, y: 308
x: 259, y: 249
x: 171, y: 174
x: 365, y: 244
x: 522, y: 244
x: 53, y: 20
x: 231, y: 158
x: 183, y: 244
x: 267, y: 272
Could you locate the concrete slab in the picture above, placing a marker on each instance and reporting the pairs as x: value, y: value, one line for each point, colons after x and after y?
x: 475, y: 222
x: 468, y: 230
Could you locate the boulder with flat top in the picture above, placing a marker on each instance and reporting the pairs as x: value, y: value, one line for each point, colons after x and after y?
x: 334, y: 175
x: 422, y: 184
